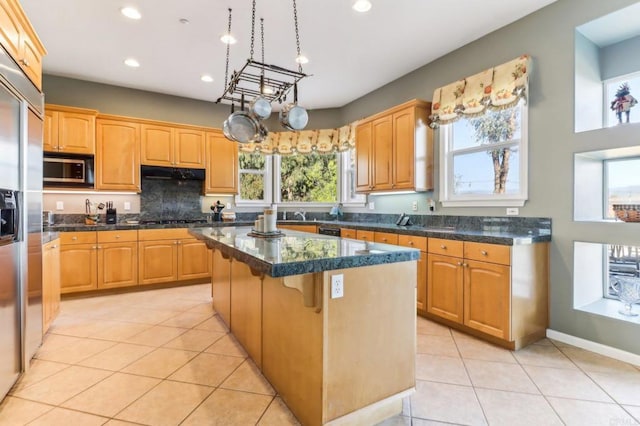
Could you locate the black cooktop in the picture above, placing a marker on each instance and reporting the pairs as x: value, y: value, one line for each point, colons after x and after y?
x: 171, y: 221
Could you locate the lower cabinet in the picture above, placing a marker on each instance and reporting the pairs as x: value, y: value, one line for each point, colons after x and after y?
x: 167, y: 255
x: 348, y: 233
x: 50, y: 283
x: 498, y: 292
x: 95, y: 260
x: 419, y: 243
x: 302, y: 228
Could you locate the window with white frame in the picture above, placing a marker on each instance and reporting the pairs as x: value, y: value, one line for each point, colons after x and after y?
x: 622, y: 183
x: 620, y: 101
x: 622, y: 261
x: 310, y: 179
x: 484, y: 159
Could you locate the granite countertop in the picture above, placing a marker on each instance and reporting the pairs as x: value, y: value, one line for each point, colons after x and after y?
x: 495, y: 235
x: 298, y: 253
x: 48, y: 236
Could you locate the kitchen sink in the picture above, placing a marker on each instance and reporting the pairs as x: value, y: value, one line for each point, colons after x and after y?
x: 369, y: 251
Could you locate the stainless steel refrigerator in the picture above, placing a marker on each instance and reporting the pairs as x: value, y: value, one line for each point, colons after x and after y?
x: 21, y: 112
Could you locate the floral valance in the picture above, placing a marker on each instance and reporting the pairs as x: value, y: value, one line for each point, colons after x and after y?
x: 322, y: 141
x: 496, y: 88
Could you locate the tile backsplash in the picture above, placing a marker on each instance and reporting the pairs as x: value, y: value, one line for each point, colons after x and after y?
x: 170, y: 199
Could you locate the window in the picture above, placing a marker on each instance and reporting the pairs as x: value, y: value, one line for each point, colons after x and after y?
x: 622, y: 261
x: 622, y: 109
x: 622, y: 183
x: 301, y: 179
x: 484, y: 159
x: 254, y: 176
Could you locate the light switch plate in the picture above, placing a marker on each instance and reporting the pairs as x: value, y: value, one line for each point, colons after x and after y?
x: 372, y: 205
x: 337, y: 286
x: 513, y: 211
x: 127, y: 205
x: 59, y: 205
x: 414, y: 206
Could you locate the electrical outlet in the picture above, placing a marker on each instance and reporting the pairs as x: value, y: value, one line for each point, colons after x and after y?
x: 337, y: 286
x: 372, y: 205
x: 414, y: 206
x: 127, y: 205
x: 513, y: 211
x: 228, y: 206
x: 59, y: 205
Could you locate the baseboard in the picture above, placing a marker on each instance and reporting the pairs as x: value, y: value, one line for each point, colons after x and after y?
x: 598, y: 348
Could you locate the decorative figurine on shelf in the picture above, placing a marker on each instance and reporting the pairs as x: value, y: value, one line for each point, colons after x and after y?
x: 623, y: 102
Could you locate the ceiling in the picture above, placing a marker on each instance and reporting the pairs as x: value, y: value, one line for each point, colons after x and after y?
x: 350, y: 53
x: 613, y: 28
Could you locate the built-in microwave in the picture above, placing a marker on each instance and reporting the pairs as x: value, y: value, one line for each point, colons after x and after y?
x: 67, y: 171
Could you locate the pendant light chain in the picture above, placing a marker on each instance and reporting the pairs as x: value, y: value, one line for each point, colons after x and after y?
x: 295, y: 20
x: 253, y: 26
x: 226, y: 71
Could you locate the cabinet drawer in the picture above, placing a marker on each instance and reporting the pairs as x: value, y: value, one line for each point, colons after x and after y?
x: 446, y: 247
x: 348, y: 233
x: 412, y: 241
x: 484, y: 252
x: 365, y: 235
x: 117, y: 236
x: 80, y: 237
x: 163, y: 234
x: 385, y: 237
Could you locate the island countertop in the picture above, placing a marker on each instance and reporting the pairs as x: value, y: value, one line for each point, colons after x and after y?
x: 296, y: 253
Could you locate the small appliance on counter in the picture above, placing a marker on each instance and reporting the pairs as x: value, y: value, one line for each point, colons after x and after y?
x: 217, y: 211
x: 228, y: 216
x: 112, y: 217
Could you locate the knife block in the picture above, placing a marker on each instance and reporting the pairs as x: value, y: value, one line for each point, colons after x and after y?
x: 111, y: 216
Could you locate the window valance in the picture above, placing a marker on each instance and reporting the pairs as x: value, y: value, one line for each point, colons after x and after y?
x: 496, y: 88
x: 322, y: 141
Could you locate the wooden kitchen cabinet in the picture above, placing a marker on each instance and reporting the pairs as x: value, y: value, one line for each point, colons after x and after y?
x: 363, y: 235
x: 385, y: 237
x: 348, y: 233
x: 419, y: 243
x: 117, y: 258
x: 69, y: 130
x: 394, y: 150
x: 172, y: 146
x: 221, y: 165
x: 221, y: 285
x: 302, y: 228
x: 78, y: 261
x: 50, y: 283
x: 117, y: 158
x: 167, y: 255
x: 495, y: 291
x: 20, y: 40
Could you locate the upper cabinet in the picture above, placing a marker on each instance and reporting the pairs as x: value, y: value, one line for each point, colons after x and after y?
x: 222, y: 165
x: 20, y: 40
x: 163, y: 145
x: 69, y: 130
x: 394, y: 150
x: 118, y: 155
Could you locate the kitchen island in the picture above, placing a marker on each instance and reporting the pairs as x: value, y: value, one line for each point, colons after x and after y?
x: 334, y: 360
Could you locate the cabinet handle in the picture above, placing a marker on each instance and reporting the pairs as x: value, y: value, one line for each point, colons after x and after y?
x: 384, y: 240
x: 74, y: 238
x: 410, y: 243
x: 99, y: 247
x: 393, y: 185
x: 54, y: 246
x: 466, y: 265
x: 460, y: 263
x: 443, y: 247
x: 483, y: 252
x: 95, y: 247
x: 24, y: 62
x: 117, y: 236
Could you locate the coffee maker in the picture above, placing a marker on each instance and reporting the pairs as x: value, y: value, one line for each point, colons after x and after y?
x: 217, y: 211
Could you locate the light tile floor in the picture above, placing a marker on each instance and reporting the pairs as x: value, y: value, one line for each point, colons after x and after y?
x: 163, y: 357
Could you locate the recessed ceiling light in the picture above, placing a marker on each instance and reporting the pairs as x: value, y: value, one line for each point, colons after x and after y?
x: 228, y: 39
x: 301, y: 59
x: 267, y: 90
x: 362, y: 6
x: 131, y: 62
x: 131, y: 12
x: 206, y: 78
x: 184, y: 21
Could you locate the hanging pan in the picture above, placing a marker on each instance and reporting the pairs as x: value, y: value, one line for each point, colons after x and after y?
x: 293, y: 116
x: 260, y: 107
x: 241, y: 126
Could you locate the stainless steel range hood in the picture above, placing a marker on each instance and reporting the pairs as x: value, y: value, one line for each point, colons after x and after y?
x: 169, y: 173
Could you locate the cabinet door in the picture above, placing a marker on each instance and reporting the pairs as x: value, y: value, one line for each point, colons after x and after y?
x: 10, y: 27
x: 221, y: 286
x: 118, y: 155
x: 445, y: 287
x: 76, y: 132
x: 364, y: 154
x: 302, y: 228
x: 363, y: 235
x: 421, y: 286
x: 156, y: 145
x: 78, y: 267
x: 50, y: 131
x: 50, y: 283
x: 382, y: 135
x: 158, y: 261
x: 117, y: 265
x: 348, y: 233
x: 487, y: 298
x: 222, y: 165
x: 31, y: 58
x: 404, y: 125
x: 189, y: 148
x: 194, y: 259
x: 385, y: 237
x: 246, y: 309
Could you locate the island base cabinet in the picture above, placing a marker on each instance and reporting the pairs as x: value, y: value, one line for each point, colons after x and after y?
x: 246, y: 309
x: 221, y: 286
x: 312, y: 342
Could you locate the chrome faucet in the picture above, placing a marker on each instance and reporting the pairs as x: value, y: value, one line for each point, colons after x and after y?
x: 300, y: 213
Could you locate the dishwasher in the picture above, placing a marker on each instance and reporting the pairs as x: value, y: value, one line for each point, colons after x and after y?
x: 328, y: 230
